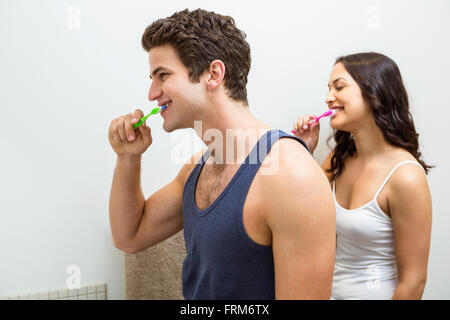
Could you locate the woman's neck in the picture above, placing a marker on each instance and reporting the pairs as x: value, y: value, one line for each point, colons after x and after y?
x: 370, y: 142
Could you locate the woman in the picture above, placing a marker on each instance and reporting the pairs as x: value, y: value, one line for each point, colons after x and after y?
x: 383, y: 203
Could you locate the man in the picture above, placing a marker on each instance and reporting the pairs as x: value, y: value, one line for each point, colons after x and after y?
x: 249, y: 234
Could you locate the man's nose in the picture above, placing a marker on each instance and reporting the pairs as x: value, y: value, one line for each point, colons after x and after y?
x: 154, y: 92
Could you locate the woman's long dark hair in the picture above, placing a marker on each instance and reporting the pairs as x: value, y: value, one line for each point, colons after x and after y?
x: 381, y: 85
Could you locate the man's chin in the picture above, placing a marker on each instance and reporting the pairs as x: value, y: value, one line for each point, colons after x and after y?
x: 169, y: 128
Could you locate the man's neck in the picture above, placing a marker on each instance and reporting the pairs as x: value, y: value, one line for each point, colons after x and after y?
x: 229, y: 132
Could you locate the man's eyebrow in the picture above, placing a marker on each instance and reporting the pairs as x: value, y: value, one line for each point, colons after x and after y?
x: 156, y: 71
x: 336, y: 80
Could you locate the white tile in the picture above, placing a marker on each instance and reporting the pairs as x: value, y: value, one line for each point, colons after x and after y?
x: 43, y: 295
x: 62, y: 294
x: 82, y: 290
x: 92, y: 297
x: 101, y: 296
x: 72, y: 292
x: 34, y: 296
x: 95, y: 291
x: 101, y: 287
x: 53, y: 295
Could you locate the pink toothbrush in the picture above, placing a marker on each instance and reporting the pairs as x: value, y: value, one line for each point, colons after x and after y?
x: 325, y: 114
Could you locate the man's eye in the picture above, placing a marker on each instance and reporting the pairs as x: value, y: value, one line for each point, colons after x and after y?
x: 339, y: 88
x: 163, y: 75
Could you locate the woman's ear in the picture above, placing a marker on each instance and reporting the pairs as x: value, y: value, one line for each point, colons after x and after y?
x: 216, y: 74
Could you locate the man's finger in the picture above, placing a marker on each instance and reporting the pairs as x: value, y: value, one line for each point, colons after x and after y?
x: 129, y: 130
x: 121, y: 129
x: 137, y: 115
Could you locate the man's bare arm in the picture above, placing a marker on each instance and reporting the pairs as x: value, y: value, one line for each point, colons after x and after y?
x: 302, y: 219
x: 126, y: 201
x: 136, y: 223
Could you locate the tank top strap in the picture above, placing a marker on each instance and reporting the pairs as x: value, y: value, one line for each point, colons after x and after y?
x: 248, y: 170
x: 193, y: 176
x: 392, y: 172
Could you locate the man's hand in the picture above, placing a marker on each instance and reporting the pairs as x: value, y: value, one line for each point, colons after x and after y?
x: 126, y: 140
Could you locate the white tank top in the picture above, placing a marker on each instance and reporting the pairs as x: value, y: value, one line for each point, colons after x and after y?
x: 365, y: 265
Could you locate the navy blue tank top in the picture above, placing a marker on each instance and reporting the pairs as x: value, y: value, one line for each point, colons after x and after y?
x: 222, y: 261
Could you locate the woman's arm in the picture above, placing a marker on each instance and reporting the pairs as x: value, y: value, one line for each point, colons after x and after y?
x: 409, y: 202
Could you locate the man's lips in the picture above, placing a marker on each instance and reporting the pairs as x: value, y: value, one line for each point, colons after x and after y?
x: 166, y: 104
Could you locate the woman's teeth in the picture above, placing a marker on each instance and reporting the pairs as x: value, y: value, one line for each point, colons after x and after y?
x: 336, y: 110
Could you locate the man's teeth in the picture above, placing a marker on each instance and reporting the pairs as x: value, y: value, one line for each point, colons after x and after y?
x: 168, y: 104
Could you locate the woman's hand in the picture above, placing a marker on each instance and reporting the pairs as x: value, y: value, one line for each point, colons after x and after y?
x: 307, y: 132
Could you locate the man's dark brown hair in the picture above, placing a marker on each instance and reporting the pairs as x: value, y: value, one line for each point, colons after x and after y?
x: 200, y: 37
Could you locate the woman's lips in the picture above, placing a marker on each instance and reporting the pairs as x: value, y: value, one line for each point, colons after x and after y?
x: 337, y: 109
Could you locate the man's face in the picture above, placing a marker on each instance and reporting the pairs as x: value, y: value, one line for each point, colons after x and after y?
x: 171, y: 87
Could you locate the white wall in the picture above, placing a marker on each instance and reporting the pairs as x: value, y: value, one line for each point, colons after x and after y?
x: 60, y: 87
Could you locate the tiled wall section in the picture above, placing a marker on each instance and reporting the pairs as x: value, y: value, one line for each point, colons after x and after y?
x: 91, y: 292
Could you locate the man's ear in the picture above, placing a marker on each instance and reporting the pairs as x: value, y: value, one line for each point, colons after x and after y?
x: 216, y: 74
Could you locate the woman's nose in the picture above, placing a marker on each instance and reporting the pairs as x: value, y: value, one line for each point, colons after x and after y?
x: 330, y: 97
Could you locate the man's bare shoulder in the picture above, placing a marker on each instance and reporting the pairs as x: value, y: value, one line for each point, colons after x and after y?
x: 290, y: 158
x: 298, y: 191
x: 294, y: 179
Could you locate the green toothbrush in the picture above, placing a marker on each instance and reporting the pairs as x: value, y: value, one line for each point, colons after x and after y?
x: 154, y: 111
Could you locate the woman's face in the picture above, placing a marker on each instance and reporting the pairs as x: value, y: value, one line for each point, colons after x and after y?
x: 352, y: 110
